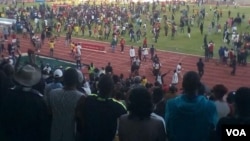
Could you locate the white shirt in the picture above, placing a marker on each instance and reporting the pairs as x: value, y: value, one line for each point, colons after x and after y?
x: 234, y: 28
x: 13, y: 40
x: 178, y: 68
x: 157, y: 66
x: 78, y: 48
x: 175, y: 78
x: 11, y: 62
x: 86, y: 88
x: 36, y: 20
x: 24, y: 30
x: 158, y: 79
x: 233, y: 36
x: 138, y: 62
x: 142, y: 130
x: 145, y: 51
x: 132, y: 52
x: 237, y: 37
x: 119, y: 18
x: 226, y: 53
x: 222, y: 108
x: 46, y: 22
x: 101, y: 72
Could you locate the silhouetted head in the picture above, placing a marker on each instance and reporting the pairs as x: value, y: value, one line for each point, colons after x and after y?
x: 242, y: 104
x: 191, y: 83
x: 140, y: 103
x: 219, y: 91
x: 105, y: 85
x: 157, y: 95
x: 70, y: 78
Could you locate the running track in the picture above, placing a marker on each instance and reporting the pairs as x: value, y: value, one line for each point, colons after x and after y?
x: 214, y: 73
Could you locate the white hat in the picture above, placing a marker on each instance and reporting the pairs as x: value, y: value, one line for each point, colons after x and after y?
x: 58, y: 73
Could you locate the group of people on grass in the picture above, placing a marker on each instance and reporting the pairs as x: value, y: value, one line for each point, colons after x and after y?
x: 113, y: 22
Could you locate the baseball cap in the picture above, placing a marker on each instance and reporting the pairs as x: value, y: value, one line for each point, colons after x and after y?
x: 58, y: 73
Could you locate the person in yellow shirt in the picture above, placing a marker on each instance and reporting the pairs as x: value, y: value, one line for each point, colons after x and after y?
x: 51, y: 47
x: 73, y: 48
x: 76, y: 28
x: 91, y: 70
x: 99, y: 27
x: 144, y: 81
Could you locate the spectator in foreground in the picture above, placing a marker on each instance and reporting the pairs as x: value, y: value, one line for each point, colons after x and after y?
x: 170, y: 92
x: 97, y: 114
x: 3, y: 86
x: 222, y: 106
x: 190, y: 117
x: 83, y: 86
x: 141, y: 124
x: 24, y: 115
x: 230, y: 101
x: 242, y: 109
x: 62, y: 103
x: 159, y: 101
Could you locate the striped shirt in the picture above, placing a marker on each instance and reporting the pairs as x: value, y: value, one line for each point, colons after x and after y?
x: 62, y: 103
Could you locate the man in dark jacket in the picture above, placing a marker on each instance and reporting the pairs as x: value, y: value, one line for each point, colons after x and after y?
x: 200, y: 67
x: 97, y: 115
x: 109, y: 69
x: 24, y: 115
x: 233, y: 65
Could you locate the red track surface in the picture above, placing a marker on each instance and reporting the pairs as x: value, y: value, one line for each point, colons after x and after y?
x: 214, y: 73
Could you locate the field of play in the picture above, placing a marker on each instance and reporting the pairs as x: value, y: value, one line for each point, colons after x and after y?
x: 166, y: 50
x: 182, y: 43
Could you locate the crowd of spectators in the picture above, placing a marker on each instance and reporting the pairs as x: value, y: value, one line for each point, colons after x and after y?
x: 67, y: 106
x: 38, y: 103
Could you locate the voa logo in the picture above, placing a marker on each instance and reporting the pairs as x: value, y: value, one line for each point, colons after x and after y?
x: 236, y: 132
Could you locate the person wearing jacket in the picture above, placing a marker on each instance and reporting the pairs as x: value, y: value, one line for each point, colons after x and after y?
x: 190, y: 116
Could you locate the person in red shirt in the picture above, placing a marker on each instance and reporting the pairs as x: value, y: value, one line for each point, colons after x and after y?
x: 211, y: 49
x: 13, y: 41
x: 13, y: 36
x: 122, y: 43
x: 145, y: 42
